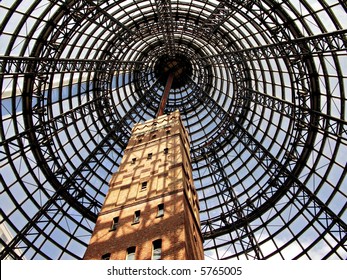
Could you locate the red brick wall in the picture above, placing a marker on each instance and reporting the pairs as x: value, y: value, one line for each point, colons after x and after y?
x: 169, y: 181
x: 170, y: 228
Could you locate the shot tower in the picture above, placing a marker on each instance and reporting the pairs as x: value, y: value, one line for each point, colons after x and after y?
x: 151, y: 210
x: 261, y: 90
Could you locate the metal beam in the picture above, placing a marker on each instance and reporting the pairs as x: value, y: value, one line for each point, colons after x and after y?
x: 326, y: 123
x: 245, y: 236
x: 11, y: 65
x: 222, y: 12
x: 296, y: 48
x: 166, y: 23
x: 283, y: 181
x: 165, y: 95
x: 69, y: 190
x: 118, y: 134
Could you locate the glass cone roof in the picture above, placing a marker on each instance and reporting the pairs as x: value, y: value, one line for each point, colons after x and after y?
x: 261, y: 87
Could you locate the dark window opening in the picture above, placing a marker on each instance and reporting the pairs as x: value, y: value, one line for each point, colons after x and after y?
x: 106, y: 256
x: 131, y: 253
x: 156, y: 253
x: 114, y: 223
x: 137, y: 217
x: 160, y: 212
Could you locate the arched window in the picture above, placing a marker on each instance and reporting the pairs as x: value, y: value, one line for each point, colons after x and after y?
x: 156, y: 249
x: 131, y: 253
x: 106, y: 256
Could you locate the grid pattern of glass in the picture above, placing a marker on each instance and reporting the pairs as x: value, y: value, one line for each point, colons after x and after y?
x: 264, y: 102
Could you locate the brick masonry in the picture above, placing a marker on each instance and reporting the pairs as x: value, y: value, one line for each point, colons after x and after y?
x: 155, y: 170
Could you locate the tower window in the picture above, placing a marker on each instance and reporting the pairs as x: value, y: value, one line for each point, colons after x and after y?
x: 160, y: 210
x: 106, y: 256
x: 156, y: 250
x: 133, y: 160
x: 114, y: 223
x: 137, y: 217
x: 131, y: 253
x: 143, y: 186
x: 149, y: 156
x: 166, y: 151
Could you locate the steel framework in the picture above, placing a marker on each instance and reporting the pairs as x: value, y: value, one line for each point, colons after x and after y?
x: 261, y: 87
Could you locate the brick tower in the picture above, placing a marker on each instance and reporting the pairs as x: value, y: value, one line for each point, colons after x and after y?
x: 151, y: 210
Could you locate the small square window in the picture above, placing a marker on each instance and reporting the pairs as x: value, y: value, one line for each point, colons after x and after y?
x: 166, y: 151
x: 133, y: 160
x: 149, y: 156
x: 143, y: 186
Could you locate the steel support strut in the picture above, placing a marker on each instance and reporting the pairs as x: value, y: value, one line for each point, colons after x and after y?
x: 165, y: 95
x: 283, y: 181
x: 244, y: 235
